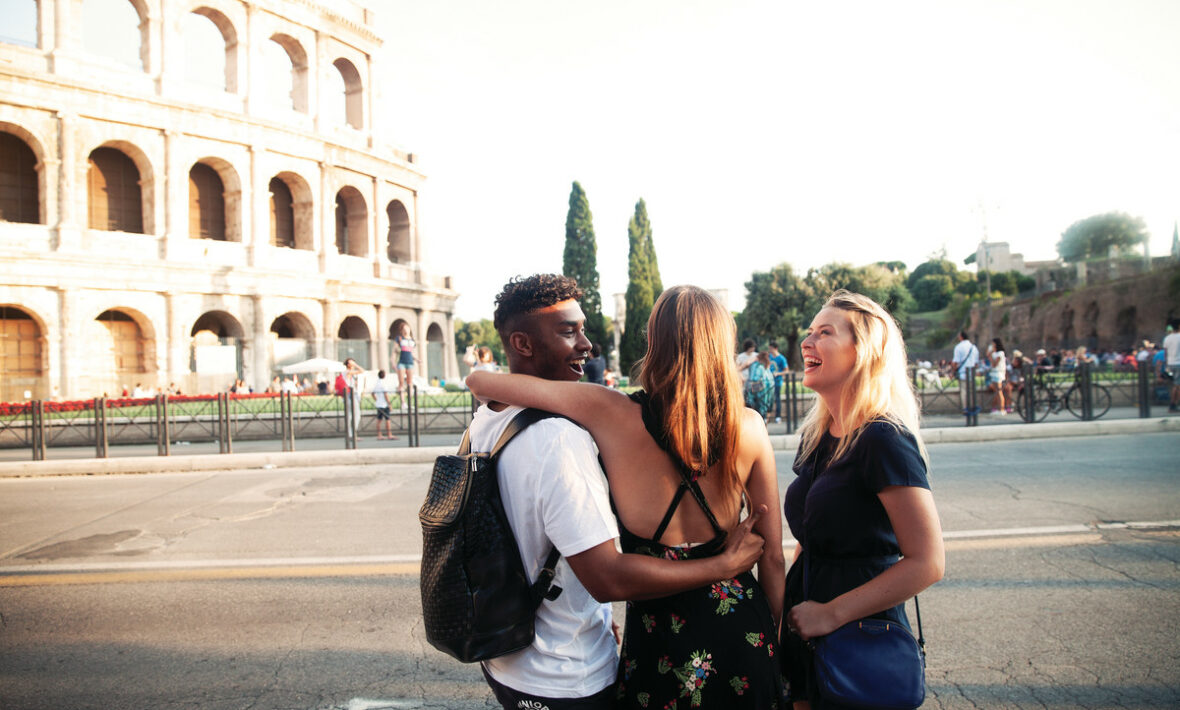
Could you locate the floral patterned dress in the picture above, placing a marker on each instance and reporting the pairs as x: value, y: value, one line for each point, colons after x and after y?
x: 710, y: 647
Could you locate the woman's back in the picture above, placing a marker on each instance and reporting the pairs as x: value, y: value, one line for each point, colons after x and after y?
x: 644, y: 477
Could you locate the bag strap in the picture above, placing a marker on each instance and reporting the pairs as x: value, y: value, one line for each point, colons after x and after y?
x: 543, y: 588
x: 862, y: 560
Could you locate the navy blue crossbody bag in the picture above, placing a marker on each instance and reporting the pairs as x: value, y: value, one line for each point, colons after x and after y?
x: 871, y: 663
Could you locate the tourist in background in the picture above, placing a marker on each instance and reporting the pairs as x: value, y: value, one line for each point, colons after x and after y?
x: 405, y: 362
x: 997, y: 375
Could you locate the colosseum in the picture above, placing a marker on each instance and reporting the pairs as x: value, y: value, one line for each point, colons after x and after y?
x: 194, y: 191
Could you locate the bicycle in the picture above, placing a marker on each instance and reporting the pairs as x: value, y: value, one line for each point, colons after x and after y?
x: 1048, y: 398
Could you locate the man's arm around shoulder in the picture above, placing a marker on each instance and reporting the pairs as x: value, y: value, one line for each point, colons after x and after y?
x: 610, y: 575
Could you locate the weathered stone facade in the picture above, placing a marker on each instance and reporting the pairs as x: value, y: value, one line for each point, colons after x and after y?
x: 190, y: 235
x: 1114, y: 315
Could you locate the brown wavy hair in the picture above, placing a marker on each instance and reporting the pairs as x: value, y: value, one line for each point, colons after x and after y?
x: 690, y: 375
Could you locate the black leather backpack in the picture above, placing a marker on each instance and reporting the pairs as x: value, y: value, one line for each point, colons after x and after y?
x: 477, y: 602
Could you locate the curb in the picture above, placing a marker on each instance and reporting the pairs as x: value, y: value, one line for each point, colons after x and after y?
x: 427, y: 454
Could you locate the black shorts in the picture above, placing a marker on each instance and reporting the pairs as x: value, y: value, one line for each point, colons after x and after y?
x: 512, y: 699
x: 383, y: 413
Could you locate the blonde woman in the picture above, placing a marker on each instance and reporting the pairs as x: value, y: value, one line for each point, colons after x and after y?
x: 680, y: 456
x: 861, y: 497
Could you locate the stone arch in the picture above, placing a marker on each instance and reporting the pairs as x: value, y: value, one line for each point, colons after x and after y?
x: 219, y: 69
x: 297, y: 68
x: 398, y: 243
x: 435, y: 352
x: 298, y: 213
x: 353, y: 340
x: 23, y: 353
x: 110, y: 30
x: 352, y: 222
x: 20, y: 193
x: 354, y: 94
x: 114, y: 190
x: 292, y: 336
x: 120, y: 345
x: 217, y: 343
x: 215, y: 200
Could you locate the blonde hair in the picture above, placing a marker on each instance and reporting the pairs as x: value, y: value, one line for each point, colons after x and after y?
x: 690, y: 375
x: 877, y: 389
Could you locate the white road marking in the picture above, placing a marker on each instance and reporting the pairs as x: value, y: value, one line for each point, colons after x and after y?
x: 1050, y: 533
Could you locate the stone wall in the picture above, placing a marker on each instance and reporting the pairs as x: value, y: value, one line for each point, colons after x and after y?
x: 1112, y: 315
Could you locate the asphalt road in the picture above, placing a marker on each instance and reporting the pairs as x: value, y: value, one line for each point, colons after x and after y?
x: 297, y: 588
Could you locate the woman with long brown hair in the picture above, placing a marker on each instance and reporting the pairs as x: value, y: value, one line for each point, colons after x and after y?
x: 681, y: 456
x: 860, y: 506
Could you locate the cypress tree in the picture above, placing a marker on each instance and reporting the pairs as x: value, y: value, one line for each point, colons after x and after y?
x: 580, y: 262
x: 643, y: 286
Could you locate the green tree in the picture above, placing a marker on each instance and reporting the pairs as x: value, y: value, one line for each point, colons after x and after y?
x: 1094, y: 236
x: 874, y: 281
x: 580, y: 262
x: 776, y: 309
x: 477, y: 333
x: 643, y: 287
x: 932, y: 267
x: 932, y: 292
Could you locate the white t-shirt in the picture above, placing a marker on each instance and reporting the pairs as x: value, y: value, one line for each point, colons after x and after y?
x: 554, y: 493
x: 379, y: 390
x: 967, y: 355
x: 741, y: 359
x: 1172, y: 349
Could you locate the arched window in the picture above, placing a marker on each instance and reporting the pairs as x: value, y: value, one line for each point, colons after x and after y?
x: 282, y: 214
x: 346, y: 95
x: 114, y: 29
x: 210, y: 46
x: 18, y: 181
x: 352, y: 341
x: 291, y: 337
x: 398, y: 240
x: 285, y: 63
x: 112, y: 186
x: 206, y: 203
x: 20, y: 22
x: 352, y: 237
x: 20, y: 355
x: 216, y: 349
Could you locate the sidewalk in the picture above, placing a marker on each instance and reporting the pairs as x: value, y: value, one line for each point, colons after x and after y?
x: 264, y: 454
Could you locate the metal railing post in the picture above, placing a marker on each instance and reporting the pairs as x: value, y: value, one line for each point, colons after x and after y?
x: 1144, y: 371
x: 100, y: 427
x: 1084, y: 381
x: 287, y: 420
x: 415, y: 422
x: 1030, y: 394
x: 972, y: 414
x: 37, y: 421
x: 224, y: 435
x: 350, y: 423
x: 163, y: 443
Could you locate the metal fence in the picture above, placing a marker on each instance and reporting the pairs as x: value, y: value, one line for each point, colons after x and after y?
x: 225, y: 418
x: 1086, y: 392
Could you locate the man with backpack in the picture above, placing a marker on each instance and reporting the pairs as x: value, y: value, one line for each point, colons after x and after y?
x: 554, y: 494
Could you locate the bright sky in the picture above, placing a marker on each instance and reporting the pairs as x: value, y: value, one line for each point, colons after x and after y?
x: 762, y: 131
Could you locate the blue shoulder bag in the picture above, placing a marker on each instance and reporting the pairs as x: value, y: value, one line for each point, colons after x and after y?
x: 871, y: 663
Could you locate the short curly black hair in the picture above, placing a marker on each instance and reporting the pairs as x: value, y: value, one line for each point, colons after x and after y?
x: 523, y: 295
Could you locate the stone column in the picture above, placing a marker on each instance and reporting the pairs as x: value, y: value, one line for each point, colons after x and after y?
x: 381, y: 339
x: 450, y: 361
x: 260, y: 377
x: 327, y: 346
x: 175, y: 202
x: 420, y: 339
x: 62, y: 372
x: 69, y: 235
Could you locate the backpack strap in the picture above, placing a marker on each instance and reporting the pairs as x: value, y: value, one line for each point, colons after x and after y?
x: 543, y: 588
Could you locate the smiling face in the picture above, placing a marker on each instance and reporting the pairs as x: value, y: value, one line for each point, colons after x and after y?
x: 829, y: 353
x: 557, y: 337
